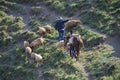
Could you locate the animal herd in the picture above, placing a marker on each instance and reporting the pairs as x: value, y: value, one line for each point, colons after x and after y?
x: 44, y: 30
x: 36, y: 57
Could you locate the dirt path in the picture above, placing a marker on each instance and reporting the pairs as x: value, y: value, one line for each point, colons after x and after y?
x: 112, y: 41
x: 84, y: 73
x: 26, y: 16
x: 51, y: 15
x: 39, y: 74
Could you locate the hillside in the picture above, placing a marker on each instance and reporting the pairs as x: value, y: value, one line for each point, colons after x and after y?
x: 20, y: 19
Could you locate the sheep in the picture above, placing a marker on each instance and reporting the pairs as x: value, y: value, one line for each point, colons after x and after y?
x: 60, y: 45
x: 48, y: 28
x: 67, y: 47
x: 26, y: 44
x: 42, y: 31
x: 71, y: 24
x: 37, y: 58
x: 28, y: 50
x: 37, y: 42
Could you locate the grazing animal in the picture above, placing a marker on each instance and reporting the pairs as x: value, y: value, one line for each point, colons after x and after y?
x: 76, y: 43
x: 60, y: 45
x: 26, y: 44
x: 71, y: 24
x: 42, y: 31
x: 37, y: 42
x: 37, y: 58
x: 28, y: 50
x: 48, y: 28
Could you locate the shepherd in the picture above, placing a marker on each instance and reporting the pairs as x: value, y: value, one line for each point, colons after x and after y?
x: 59, y: 26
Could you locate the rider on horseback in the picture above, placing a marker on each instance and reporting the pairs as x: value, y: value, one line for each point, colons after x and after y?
x: 75, y: 44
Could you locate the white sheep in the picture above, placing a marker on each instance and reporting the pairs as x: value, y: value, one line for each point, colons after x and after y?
x: 26, y: 44
x: 60, y: 45
x: 48, y: 28
x: 28, y: 50
x: 37, y: 58
x: 42, y: 31
x: 37, y: 42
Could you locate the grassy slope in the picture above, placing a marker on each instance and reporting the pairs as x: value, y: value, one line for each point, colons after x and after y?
x: 55, y: 66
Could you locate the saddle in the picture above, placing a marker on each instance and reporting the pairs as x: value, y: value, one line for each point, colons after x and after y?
x: 72, y: 37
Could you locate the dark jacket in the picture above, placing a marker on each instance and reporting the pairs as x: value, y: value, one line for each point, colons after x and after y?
x: 60, y: 24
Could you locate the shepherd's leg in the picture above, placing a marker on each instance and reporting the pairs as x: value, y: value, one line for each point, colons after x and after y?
x: 62, y: 36
x: 59, y: 36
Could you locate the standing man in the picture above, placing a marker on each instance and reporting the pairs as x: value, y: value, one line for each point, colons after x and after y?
x: 59, y: 26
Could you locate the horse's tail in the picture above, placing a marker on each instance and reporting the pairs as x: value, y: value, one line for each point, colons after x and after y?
x: 81, y: 43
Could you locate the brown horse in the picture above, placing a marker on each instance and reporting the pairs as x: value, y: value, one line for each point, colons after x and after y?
x: 75, y: 43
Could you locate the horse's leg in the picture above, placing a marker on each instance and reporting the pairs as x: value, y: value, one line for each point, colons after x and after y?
x: 78, y: 52
x: 74, y: 52
x: 71, y: 32
x: 71, y: 52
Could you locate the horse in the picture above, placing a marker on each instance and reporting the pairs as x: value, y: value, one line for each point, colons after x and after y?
x: 76, y: 43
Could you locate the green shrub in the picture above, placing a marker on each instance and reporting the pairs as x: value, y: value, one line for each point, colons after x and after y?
x: 10, y: 5
x: 2, y: 14
x: 90, y: 38
x: 3, y: 34
x: 3, y: 27
x: 17, y: 25
x: 47, y: 2
x: 5, y: 41
x: 107, y: 78
x: 34, y: 24
x: 69, y: 14
x: 3, y: 8
x: 7, y: 20
x: 24, y: 35
x: 58, y: 6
